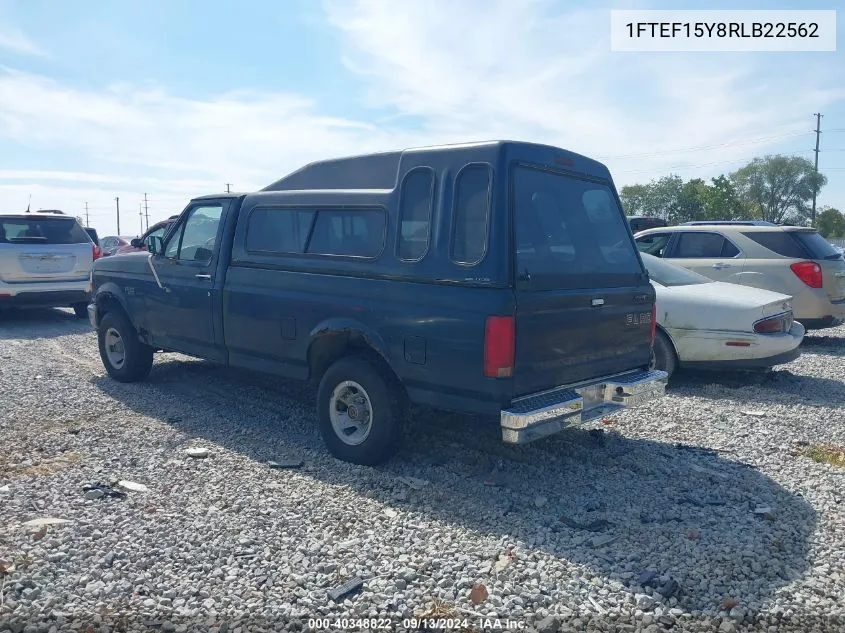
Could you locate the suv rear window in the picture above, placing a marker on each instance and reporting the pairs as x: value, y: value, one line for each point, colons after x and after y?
x: 794, y: 244
x: 816, y: 245
x: 42, y: 231
x: 570, y: 233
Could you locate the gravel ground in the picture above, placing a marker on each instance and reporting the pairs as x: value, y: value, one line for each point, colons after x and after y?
x: 694, y: 513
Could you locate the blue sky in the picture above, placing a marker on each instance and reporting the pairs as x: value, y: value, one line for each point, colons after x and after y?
x: 174, y: 99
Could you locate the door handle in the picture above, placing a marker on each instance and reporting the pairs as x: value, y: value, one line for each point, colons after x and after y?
x: 202, y: 276
x: 720, y: 266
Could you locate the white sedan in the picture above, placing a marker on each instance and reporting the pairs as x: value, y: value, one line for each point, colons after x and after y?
x: 709, y: 324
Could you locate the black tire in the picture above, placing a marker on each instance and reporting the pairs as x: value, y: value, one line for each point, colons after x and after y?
x: 137, y: 357
x: 388, y: 411
x: 664, y: 354
x: 80, y: 310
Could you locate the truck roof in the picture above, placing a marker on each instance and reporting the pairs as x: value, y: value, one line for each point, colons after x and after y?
x: 380, y: 171
x: 215, y: 196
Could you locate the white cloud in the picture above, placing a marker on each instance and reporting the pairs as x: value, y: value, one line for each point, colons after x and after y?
x: 14, y: 41
x: 503, y: 69
x: 171, y: 147
x: 456, y: 71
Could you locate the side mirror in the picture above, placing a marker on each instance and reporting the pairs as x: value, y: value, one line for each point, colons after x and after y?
x: 136, y: 243
x: 156, y: 246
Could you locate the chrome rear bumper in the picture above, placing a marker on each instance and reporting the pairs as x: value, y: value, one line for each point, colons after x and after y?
x: 541, y: 414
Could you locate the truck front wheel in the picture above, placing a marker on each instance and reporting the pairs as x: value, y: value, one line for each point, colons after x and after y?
x: 125, y: 358
x: 360, y: 412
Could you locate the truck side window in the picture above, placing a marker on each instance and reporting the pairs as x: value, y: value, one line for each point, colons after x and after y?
x: 415, y: 205
x: 195, y: 239
x: 471, y: 214
x: 350, y: 232
x: 278, y: 230
x: 157, y: 233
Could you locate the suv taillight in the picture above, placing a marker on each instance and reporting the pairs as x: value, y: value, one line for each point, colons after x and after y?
x: 97, y: 252
x: 808, y: 272
x: 499, y: 346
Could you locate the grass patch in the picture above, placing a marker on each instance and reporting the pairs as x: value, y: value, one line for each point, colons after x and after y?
x: 825, y: 454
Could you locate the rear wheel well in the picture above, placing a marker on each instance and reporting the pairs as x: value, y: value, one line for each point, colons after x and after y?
x: 663, y: 331
x: 672, y: 348
x: 328, y: 348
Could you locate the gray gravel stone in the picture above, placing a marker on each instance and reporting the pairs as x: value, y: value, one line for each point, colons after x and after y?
x: 424, y: 527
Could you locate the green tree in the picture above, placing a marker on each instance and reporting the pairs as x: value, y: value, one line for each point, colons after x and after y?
x: 690, y: 202
x: 778, y: 188
x: 659, y: 198
x: 635, y: 199
x: 721, y: 201
x: 666, y: 195
x: 831, y: 223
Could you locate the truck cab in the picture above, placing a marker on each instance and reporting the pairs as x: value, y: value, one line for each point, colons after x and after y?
x: 496, y: 278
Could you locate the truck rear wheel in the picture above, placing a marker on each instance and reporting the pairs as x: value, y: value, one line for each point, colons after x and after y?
x: 360, y: 412
x: 125, y: 358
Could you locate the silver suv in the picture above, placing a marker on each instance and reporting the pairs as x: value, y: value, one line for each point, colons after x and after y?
x: 792, y: 260
x: 45, y: 261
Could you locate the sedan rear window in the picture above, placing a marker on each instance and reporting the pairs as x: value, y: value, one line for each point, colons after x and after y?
x: 42, y: 231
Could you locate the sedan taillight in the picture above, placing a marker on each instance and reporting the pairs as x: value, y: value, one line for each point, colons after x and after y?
x: 777, y: 324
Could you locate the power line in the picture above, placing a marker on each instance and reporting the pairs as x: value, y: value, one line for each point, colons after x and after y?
x: 698, y: 148
x: 716, y: 164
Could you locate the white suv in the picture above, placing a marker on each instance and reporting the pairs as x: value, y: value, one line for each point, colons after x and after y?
x: 792, y: 260
x: 45, y: 261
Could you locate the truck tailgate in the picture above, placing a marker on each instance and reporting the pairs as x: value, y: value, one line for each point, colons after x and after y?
x: 570, y: 336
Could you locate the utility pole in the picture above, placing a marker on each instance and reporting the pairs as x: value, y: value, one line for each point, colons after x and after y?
x: 815, y: 188
x: 146, y: 213
x: 141, y: 216
x: 227, y: 187
x: 87, y: 222
x: 117, y: 202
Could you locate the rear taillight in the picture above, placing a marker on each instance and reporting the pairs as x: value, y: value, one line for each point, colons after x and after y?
x: 774, y: 325
x: 808, y: 272
x: 97, y: 252
x: 499, y: 346
x: 653, y: 322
